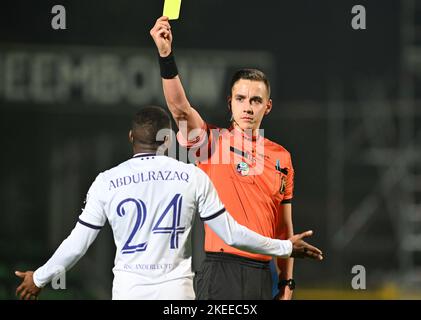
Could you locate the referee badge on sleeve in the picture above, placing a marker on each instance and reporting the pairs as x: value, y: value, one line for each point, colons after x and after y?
x: 283, y: 185
x: 283, y: 171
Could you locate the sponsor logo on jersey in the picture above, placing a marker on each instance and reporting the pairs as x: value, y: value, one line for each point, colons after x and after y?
x: 243, y: 168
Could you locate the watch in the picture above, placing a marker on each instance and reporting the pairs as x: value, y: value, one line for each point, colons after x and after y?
x: 290, y: 283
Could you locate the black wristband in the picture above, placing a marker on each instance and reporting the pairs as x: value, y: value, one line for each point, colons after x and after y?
x: 290, y: 283
x: 168, y: 67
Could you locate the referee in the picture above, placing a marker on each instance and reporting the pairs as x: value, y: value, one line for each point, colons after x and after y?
x: 254, y: 178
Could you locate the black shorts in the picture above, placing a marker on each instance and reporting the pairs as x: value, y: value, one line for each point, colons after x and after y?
x: 225, y: 276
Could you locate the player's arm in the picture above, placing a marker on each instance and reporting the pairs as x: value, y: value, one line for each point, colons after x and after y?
x: 285, y: 266
x: 65, y: 257
x: 174, y: 93
x: 241, y: 237
x: 72, y: 248
x: 213, y: 213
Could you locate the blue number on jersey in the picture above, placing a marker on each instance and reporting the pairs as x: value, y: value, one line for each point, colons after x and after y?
x: 175, y: 228
x: 140, y: 220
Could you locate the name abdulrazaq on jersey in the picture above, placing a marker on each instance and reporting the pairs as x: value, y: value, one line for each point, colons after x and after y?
x: 165, y: 175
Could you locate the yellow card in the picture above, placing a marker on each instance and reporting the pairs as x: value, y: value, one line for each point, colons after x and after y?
x: 172, y: 9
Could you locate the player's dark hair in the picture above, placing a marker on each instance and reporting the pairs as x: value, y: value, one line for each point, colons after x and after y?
x: 250, y: 74
x: 146, y: 124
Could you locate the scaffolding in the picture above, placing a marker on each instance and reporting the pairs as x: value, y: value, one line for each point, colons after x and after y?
x: 383, y: 136
x: 410, y: 244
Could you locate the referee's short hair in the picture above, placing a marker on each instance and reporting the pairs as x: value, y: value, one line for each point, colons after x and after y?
x: 146, y: 124
x: 250, y: 74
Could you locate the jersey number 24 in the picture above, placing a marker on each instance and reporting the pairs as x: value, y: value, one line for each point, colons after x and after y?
x: 174, y: 229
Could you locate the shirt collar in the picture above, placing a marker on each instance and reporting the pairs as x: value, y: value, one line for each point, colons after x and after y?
x: 239, y: 132
x: 141, y: 155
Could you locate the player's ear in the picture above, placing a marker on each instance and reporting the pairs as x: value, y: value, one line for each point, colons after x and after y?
x: 268, y: 106
x: 131, y: 136
x: 229, y: 99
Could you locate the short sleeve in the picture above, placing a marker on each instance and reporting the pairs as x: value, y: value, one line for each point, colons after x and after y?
x: 208, y: 203
x: 93, y: 215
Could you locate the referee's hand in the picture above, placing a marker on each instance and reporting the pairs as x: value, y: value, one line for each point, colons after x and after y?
x: 301, y: 249
x: 162, y: 36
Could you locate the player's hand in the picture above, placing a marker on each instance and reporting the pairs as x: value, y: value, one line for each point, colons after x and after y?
x: 27, y: 289
x: 162, y: 36
x: 301, y: 249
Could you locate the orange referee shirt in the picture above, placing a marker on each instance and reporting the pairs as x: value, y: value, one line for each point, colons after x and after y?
x: 253, y: 177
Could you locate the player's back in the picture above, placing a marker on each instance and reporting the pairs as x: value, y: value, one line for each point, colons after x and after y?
x: 150, y: 203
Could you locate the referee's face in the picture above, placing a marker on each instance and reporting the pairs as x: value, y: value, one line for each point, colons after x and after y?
x: 249, y: 103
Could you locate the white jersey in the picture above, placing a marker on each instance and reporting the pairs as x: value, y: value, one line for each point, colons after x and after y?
x: 150, y: 202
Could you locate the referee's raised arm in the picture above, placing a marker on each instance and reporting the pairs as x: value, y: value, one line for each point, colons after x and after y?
x: 176, y: 99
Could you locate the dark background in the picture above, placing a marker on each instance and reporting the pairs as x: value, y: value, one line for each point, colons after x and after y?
x: 345, y: 106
